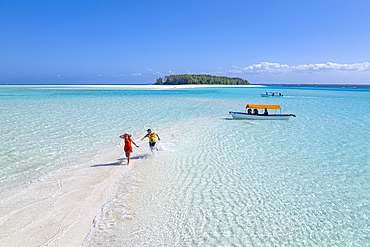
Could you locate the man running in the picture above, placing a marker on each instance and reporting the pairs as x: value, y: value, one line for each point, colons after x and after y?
x: 152, y: 139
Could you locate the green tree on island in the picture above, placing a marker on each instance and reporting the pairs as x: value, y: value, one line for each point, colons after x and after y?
x: 200, y: 79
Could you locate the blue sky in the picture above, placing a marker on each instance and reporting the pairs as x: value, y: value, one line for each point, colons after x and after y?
x: 130, y: 42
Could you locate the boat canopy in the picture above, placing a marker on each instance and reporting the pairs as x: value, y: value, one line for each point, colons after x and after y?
x: 263, y: 106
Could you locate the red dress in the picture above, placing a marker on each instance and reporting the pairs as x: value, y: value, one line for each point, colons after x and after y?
x: 128, y: 146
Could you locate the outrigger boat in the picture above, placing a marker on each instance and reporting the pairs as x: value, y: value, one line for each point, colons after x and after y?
x: 248, y: 114
x: 272, y: 94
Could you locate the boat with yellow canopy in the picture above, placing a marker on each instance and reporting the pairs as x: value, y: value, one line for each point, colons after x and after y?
x: 252, y: 113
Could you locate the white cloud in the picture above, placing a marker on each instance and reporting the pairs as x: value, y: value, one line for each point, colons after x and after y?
x: 157, y: 73
x: 117, y: 75
x: 136, y: 74
x: 277, y: 68
x: 235, y: 71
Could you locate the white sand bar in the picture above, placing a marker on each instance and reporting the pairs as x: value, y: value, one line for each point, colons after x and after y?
x: 163, y: 87
x: 138, y: 86
x: 59, y: 208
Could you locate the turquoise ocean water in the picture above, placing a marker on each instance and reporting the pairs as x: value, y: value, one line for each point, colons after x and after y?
x: 216, y: 181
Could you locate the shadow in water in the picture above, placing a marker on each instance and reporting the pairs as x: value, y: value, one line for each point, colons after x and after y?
x: 120, y: 161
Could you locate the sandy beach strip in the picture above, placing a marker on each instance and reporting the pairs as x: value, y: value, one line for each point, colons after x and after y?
x: 138, y: 86
x: 166, y: 87
x: 58, y: 209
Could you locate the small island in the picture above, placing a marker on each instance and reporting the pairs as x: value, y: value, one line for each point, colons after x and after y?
x: 200, y: 79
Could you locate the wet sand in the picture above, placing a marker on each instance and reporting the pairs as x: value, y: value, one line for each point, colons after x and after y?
x: 58, y: 209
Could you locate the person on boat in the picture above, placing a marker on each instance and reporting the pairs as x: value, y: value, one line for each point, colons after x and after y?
x: 128, y: 147
x: 266, y: 112
x: 152, y: 139
x: 255, y: 112
x: 249, y: 111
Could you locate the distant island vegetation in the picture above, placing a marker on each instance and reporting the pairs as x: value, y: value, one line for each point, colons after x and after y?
x: 200, y: 79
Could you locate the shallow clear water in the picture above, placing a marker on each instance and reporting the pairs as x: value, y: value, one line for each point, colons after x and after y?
x: 218, y: 181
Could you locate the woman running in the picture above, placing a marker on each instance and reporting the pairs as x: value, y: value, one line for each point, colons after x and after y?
x: 128, y: 147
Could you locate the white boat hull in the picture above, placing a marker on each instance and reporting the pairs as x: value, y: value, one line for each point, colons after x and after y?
x: 264, y: 95
x: 242, y: 115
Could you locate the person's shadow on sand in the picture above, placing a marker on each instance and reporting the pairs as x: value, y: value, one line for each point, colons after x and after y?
x: 121, y: 161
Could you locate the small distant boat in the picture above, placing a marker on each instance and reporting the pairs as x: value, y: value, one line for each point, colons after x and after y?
x: 253, y: 114
x: 272, y: 94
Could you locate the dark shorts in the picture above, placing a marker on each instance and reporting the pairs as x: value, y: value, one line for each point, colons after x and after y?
x: 151, y: 144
